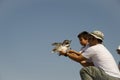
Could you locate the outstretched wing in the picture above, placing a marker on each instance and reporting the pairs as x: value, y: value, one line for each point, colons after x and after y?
x: 56, y: 44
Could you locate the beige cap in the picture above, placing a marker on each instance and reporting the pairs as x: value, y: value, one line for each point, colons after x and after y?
x: 98, y: 34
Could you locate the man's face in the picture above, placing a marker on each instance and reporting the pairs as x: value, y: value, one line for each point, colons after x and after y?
x: 83, y: 41
x: 92, y: 41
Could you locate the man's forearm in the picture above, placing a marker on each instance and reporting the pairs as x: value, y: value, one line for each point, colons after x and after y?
x: 87, y: 64
x: 74, y: 57
x: 79, y: 59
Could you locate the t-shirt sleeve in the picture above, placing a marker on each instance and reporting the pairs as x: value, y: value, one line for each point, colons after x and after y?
x: 88, y: 53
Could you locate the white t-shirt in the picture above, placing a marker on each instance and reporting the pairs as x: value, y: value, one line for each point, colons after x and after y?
x: 84, y: 48
x: 103, y: 59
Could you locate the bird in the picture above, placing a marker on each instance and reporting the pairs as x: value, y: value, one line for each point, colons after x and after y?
x: 61, y: 46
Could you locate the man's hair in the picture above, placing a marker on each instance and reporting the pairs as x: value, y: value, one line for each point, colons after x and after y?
x: 84, y: 35
x: 92, y: 38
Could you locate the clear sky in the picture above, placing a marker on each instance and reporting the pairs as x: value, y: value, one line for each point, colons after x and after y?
x: 28, y: 27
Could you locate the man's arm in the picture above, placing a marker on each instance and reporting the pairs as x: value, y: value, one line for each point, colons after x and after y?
x: 80, y: 59
x: 87, y: 64
x: 75, y: 57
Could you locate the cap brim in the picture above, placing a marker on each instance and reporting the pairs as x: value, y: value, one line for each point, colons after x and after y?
x: 96, y: 36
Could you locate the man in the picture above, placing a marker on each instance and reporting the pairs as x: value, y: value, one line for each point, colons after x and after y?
x: 103, y: 66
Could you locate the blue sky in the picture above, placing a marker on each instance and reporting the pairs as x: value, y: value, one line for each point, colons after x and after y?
x: 28, y: 27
